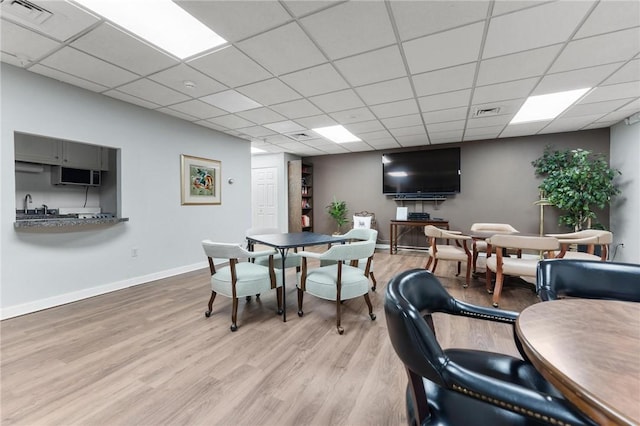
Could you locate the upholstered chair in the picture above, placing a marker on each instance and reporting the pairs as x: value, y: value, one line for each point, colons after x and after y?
x: 240, y: 279
x: 292, y: 259
x: 524, y: 266
x: 338, y: 281
x: 464, y: 386
x: 588, y: 279
x: 458, y: 252
x: 589, y: 237
x: 361, y: 234
x: 480, y: 246
x: 364, y: 219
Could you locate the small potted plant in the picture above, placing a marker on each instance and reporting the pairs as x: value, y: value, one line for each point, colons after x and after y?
x: 338, y: 211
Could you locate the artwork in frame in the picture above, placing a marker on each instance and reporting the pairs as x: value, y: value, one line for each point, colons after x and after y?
x: 200, y: 180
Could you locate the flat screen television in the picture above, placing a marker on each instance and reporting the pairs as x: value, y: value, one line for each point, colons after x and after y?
x: 421, y: 173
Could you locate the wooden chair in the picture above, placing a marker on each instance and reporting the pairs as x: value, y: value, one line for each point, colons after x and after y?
x: 240, y: 279
x: 524, y: 267
x: 362, y: 234
x: 338, y: 281
x: 480, y: 246
x: 592, y: 238
x: 364, y: 219
x: 459, y: 252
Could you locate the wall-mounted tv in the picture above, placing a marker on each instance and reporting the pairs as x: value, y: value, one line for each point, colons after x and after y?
x: 421, y: 173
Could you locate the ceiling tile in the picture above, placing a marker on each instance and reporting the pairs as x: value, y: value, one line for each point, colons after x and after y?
x: 178, y: 114
x: 601, y: 108
x: 532, y: 28
x: 236, y: 20
x: 413, y: 140
x: 297, y: 109
x: 378, y: 65
x: 445, y: 115
x: 418, y: 18
x: 496, y: 120
x: 316, y: 80
x: 446, y: 126
x: 303, y: 7
x: 231, y: 67
x: 199, y: 109
x: 372, y: 137
x: 350, y: 28
x: 119, y: 48
x: 629, y: 72
x: 282, y: 50
x: 337, y: 101
x: 409, y: 131
x: 231, y: 121
x: 567, y: 124
x: 502, y: 91
x: 353, y: 115
x: 364, y: 127
x: 482, y: 133
x: 153, y: 92
x: 231, y: 101
x: 445, y: 100
x: 577, y: 79
x: 455, y: 78
x: 602, y: 49
x: 614, y: 91
x: 356, y: 146
x: 81, y: 65
x: 211, y: 125
x: 261, y: 115
x: 523, y: 129
x: 403, y: 121
x: 177, y: 77
x: 502, y: 7
x: 427, y: 54
x: 67, y: 78
x: 387, y: 91
x: 449, y: 136
x: 25, y: 45
x: 394, y: 109
x: 269, y: 92
x: 287, y: 126
x: 611, y: 16
x: 506, y: 68
x: 130, y: 99
x: 257, y: 131
x: 316, y: 121
x: 380, y: 144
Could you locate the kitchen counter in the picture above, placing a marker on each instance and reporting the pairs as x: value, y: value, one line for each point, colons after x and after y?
x: 65, y: 222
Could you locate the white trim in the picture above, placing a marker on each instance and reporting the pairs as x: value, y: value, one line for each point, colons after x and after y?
x: 50, y: 302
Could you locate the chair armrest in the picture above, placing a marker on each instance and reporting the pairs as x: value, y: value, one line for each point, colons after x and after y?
x: 455, y: 235
x: 480, y: 312
x: 261, y: 253
x: 310, y: 254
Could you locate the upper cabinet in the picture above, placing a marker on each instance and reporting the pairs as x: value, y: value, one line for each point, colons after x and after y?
x: 43, y: 150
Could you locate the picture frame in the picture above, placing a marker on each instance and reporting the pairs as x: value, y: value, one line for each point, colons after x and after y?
x: 200, y: 180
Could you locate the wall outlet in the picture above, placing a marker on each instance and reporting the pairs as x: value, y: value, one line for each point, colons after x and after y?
x: 134, y: 252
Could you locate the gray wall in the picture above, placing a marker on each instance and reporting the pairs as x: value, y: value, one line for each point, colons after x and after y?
x: 497, y: 184
x: 42, y: 269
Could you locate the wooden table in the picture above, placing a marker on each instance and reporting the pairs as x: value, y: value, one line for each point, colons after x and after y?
x: 395, y: 224
x: 283, y: 242
x: 589, y: 350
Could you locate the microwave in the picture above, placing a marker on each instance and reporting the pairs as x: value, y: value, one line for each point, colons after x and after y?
x: 70, y: 176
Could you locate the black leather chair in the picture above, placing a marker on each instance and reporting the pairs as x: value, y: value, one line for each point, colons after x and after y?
x: 589, y: 279
x: 461, y: 386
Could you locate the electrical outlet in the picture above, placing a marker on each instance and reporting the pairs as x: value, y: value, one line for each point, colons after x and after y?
x: 134, y: 252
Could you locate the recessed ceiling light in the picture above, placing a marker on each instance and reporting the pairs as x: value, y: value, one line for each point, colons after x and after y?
x: 160, y: 22
x: 189, y: 84
x: 547, y: 107
x: 337, y: 134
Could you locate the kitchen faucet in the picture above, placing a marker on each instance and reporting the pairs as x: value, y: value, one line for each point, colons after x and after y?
x: 27, y: 199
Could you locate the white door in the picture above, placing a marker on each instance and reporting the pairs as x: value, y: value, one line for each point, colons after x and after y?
x: 264, y: 197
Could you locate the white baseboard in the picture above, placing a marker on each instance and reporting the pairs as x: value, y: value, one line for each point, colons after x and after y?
x: 62, y: 299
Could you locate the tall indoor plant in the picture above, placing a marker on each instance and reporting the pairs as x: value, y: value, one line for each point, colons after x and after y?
x: 338, y: 211
x: 576, y: 181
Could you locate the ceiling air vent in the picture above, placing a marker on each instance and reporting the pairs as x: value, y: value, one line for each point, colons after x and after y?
x: 301, y: 136
x: 486, y: 112
x: 23, y: 10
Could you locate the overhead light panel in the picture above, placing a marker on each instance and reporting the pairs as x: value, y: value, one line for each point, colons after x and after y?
x: 398, y: 174
x: 547, y: 107
x: 160, y: 22
x: 337, y: 134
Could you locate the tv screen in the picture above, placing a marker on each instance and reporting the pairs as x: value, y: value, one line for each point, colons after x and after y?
x: 421, y: 173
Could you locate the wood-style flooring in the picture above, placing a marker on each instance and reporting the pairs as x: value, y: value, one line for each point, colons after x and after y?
x: 148, y: 356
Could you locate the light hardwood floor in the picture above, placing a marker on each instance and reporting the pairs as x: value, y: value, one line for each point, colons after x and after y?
x: 148, y: 356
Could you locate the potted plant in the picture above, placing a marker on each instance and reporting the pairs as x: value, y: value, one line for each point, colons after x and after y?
x: 338, y: 211
x: 576, y: 181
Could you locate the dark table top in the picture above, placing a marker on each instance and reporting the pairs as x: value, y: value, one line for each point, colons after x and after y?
x: 295, y: 239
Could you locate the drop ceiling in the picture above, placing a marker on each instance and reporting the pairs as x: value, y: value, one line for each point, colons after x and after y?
x: 394, y: 73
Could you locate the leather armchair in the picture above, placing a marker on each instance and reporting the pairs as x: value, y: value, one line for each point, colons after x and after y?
x: 589, y: 279
x: 463, y: 386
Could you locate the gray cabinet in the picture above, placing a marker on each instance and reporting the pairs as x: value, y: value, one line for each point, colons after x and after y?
x: 81, y: 156
x: 43, y: 150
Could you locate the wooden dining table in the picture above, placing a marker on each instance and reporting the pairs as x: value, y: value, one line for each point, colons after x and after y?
x: 590, y: 351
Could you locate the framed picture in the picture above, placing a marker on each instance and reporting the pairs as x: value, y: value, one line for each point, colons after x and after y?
x: 200, y: 180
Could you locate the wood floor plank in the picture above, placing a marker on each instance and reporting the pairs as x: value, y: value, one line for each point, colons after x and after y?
x: 147, y: 355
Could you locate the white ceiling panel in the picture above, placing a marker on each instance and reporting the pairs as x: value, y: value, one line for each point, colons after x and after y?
x: 611, y: 16
x: 286, y: 126
x: 304, y: 7
x: 452, y: 114
x: 497, y: 120
x: 269, y: 92
x: 445, y: 100
x: 500, y: 91
x: 601, y: 108
x: 316, y: 121
x: 403, y: 121
x: 350, y: 28
x: 523, y: 129
x: 372, y: 137
x: 365, y: 127
x: 257, y: 131
x: 507, y: 68
x: 297, y: 109
x: 445, y: 127
x: 566, y: 124
x: 231, y: 67
x: 577, y: 79
x: 180, y: 78
x: 119, y: 48
x: 380, y: 144
x: 491, y: 131
x: 427, y: 54
x: 153, y: 92
x: 130, y: 99
x: 629, y: 72
x: 315, y: 80
x: 413, y: 140
x: 386, y: 91
x: 447, y: 80
x: 198, y: 109
x: 408, y: 131
x: 67, y: 78
x: 337, y: 101
x: 613, y: 91
x: 394, y: 109
x: 231, y: 121
x: 178, y: 114
x: 378, y: 65
x: 25, y: 45
x: 353, y: 115
x: 231, y: 101
x: 261, y: 115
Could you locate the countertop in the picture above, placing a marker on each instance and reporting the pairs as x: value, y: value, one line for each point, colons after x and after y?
x: 66, y: 222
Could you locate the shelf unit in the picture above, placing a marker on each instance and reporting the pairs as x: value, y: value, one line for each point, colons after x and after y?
x: 300, y: 177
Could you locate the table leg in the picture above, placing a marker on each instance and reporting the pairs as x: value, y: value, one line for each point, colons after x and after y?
x: 283, y: 257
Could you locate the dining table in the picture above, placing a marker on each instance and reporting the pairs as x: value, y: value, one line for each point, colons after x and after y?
x: 590, y: 351
x: 283, y: 242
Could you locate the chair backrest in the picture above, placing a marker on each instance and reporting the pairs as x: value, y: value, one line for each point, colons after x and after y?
x: 589, y: 279
x: 363, y: 234
x: 488, y: 227
x: 435, y: 232
x: 347, y: 252
x: 601, y: 236
x: 524, y: 242
x: 224, y: 250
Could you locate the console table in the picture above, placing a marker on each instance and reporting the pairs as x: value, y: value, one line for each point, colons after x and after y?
x: 395, y: 224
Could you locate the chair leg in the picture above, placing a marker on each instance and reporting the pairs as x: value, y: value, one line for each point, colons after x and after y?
x: 213, y: 297
x: 475, y: 260
x: 429, y: 260
x: 234, y: 314
x: 279, y: 297
x: 373, y: 279
x: 458, y: 274
x: 468, y: 275
x: 488, y: 281
x: 498, y: 288
x: 300, y: 296
x: 340, y: 329
x: 435, y: 263
x: 368, y: 300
